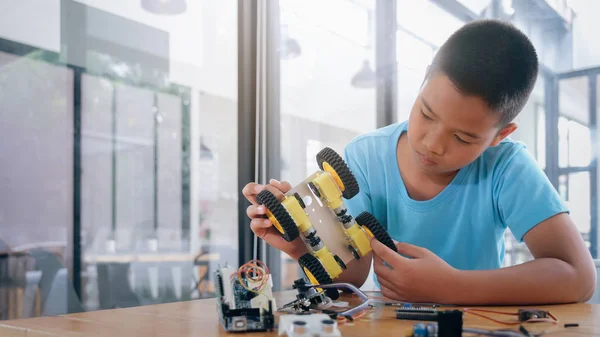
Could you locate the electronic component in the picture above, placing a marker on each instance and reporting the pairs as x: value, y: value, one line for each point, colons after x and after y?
x: 419, y: 330
x: 308, y: 325
x: 447, y: 323
x: 308, y: 298
x: 312, y: 297
x: 450, y: 323
x: 522, y: 316
x: 244, y: 298
x: 416, y: 313
x: 529, y: 314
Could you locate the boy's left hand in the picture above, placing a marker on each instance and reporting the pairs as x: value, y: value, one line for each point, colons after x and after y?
x: 422, y: 277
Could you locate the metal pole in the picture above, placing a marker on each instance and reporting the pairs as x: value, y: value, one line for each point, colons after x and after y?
x: 273, y: 115
x: 593, y: 125
x: 386, y: 62
x: 247, y: 11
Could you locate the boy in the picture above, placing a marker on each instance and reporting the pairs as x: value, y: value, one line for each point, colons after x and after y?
x: 448, y: 182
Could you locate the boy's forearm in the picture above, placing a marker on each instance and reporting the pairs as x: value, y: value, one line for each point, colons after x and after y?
x: 357, y: 271
x: 542, y: 281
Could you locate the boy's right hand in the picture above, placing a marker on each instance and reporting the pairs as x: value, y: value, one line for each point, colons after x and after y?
x: 262, y: 227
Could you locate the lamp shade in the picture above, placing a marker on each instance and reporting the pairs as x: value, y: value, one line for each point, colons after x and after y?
x: 365, y: 77
x: 290, y: 49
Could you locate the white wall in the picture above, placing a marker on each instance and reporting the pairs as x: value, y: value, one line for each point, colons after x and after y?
x: 527, y: 131
x: 33, y: 22
x: 203, y: 41
x: 586, y: 48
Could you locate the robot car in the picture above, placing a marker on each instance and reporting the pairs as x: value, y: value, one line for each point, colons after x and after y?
x: 314, y: 210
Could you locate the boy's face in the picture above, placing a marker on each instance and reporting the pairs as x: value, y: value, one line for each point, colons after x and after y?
x: 448, y: 130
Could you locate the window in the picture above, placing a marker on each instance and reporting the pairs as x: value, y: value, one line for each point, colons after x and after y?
x: 414, y: 55
x: 575, y: 143
x: 541, y: 136
x: 125, y: 122
x: 321, y: 105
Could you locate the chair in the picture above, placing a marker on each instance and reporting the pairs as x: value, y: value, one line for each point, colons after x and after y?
x: 19, y: 295
x: 58, y: 293
x: 113, y: 286
x: 207, y: 262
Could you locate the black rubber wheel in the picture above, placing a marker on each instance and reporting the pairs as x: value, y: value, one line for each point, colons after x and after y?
x: 340, y: 262
x: 329, y: 156
x: 314, y: 267
x: 367, y: 220
x: 354, y: 252
x: 289, y: 230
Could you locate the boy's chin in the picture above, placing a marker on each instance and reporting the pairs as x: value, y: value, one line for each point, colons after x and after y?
x: 438, y: 170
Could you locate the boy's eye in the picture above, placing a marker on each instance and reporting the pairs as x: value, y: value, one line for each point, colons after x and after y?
x: 426, y: 117
x: 461, y: 140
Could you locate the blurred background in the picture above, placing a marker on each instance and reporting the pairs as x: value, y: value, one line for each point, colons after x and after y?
x: 128, y: 128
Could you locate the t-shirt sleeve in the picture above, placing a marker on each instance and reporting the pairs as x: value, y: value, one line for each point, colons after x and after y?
x: 525, y: 197
x: 362, y: 201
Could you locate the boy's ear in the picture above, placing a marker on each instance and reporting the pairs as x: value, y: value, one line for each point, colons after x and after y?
x: 503, y: 133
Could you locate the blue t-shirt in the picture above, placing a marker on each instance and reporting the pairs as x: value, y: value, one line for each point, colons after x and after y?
x: 465, y: 223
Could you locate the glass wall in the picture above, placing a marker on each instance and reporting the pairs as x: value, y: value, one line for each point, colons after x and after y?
x: 327, y: 85
x: 119, y: 152
x: 417, y: 43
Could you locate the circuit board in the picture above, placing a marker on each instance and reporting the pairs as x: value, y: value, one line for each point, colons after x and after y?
x: 238, y: 308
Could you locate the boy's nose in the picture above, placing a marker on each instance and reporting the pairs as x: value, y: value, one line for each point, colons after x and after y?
x: 434, y: 144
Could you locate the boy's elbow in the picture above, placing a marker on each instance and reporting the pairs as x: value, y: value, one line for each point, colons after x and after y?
x: 586, y: 282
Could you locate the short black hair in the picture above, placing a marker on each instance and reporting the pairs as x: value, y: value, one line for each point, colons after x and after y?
x: 493, y: 60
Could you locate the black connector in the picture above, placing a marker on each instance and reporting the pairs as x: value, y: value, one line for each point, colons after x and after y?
x: 450, y: 323
x: 417, y: 314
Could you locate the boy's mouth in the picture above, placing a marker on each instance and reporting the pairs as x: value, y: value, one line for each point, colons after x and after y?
x: 426, y: 160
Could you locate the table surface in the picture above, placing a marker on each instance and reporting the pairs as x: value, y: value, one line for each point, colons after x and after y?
x: 199, y: 318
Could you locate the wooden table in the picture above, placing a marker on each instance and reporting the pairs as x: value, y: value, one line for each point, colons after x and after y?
x: 199, y: 319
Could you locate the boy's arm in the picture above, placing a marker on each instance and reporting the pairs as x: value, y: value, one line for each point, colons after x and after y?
x: 357, y: 271
x: 562, y: 272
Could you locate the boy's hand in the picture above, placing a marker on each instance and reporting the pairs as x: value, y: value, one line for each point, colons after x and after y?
x: 262, y: 227
x: 423, y: 277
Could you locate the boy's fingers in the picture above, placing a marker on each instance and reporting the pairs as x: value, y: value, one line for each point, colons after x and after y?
x: 389, y: 293
x: 383, y: 283
x: 258, y: 224
x: 255, y: 211
x: 411, y: 250
x: 276, y: 192
x: 283, y: 186
x: 384, y: 272
x: 383, y: 252
x: 251, y: 190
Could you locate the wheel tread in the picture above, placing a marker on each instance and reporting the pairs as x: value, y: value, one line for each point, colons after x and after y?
x: 265, y: 197
x: 328, y: 155
x: 366, y: 219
